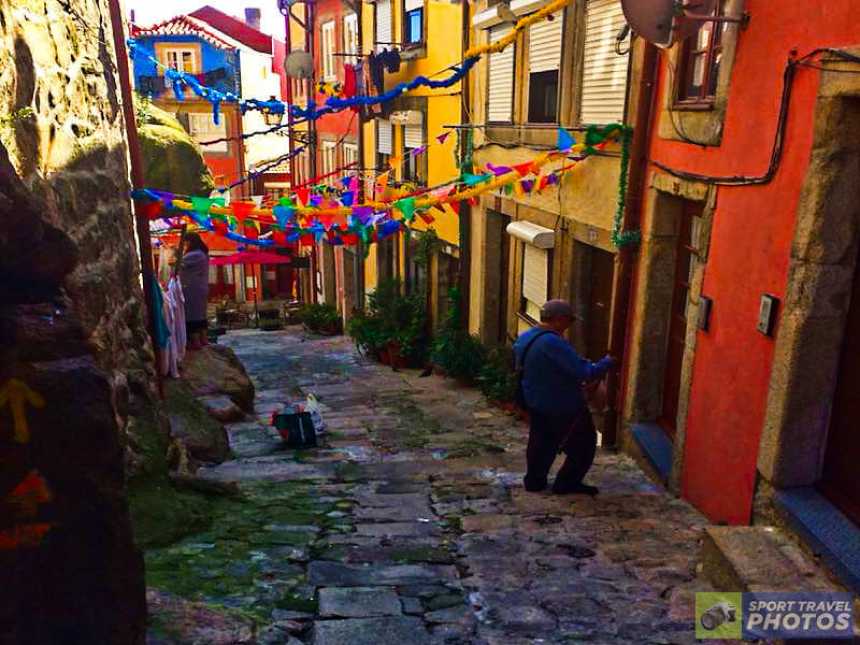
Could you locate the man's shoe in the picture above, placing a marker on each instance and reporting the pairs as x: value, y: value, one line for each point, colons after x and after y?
x: 576, y: 489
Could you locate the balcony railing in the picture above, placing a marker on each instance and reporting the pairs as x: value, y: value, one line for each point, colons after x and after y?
x: 221, y: 78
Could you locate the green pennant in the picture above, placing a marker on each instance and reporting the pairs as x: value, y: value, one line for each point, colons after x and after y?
x: 407, y: 207
x: 472, y: 180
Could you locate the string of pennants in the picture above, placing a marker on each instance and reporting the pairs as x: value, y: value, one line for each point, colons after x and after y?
x: 179, y: 81
x: 335, y: 217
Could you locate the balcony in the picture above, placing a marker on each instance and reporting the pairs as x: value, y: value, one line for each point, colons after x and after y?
x: 222, y: 79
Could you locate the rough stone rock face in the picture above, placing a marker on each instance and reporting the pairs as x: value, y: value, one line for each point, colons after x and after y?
x: 74, y: 354
x: 215, y: 369
x: 204, y: 438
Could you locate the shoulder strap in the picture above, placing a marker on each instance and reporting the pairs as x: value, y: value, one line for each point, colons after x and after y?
x: 529, y: 346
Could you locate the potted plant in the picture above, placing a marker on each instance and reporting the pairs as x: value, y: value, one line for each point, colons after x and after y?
x: 321, y: 318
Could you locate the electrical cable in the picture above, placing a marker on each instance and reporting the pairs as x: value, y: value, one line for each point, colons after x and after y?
x: 789, y: 74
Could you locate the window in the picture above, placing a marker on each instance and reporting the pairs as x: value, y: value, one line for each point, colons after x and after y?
x: 350, y: 154
x: 180, y: 59
x: 413, y: 137
x: 202, y: 127
x: 328, y: 70
x: 413, y: 22
x: 384, y: 140
x: 699, y: 63
x: 329, y: 160
x: 302, y: 168
x: 500, y: 85
x: 350, y: 38
x: 544, y: 63
x: 604, y: 75
x: 383, y: 24
x: 535, y: 286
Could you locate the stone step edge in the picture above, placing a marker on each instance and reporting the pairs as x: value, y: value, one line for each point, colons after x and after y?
x: 721, y: 569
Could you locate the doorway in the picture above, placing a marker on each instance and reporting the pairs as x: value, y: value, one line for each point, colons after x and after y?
x: 498, y: 252
x: 839, y: 479
x: 677, y: 336
x: 602, y: 271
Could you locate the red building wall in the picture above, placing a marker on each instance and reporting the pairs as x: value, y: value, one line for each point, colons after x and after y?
x: 750, y: 242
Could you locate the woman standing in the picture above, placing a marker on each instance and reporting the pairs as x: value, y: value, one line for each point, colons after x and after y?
x: 194, y: 276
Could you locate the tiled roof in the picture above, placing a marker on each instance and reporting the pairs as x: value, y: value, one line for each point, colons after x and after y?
x: 234, y: 28
x: 180, y: 26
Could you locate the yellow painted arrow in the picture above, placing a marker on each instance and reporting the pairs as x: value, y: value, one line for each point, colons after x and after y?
x: 16, y: 394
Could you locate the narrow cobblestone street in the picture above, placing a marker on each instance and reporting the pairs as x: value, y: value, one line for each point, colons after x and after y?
x: 410, y: 523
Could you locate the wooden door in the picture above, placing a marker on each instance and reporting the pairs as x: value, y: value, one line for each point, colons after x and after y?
x: 678, y: 318
x: 840, y: 481
x: 599, y: 303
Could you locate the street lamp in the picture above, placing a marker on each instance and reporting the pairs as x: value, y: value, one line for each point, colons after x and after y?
x: 271, y: 117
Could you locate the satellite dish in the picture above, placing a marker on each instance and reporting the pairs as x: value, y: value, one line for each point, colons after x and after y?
x: 299, y: 64
x: 664, y: 22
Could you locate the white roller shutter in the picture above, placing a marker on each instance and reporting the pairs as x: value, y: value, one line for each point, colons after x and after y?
x: 383, y: 24
x: 500, y: 92
x: 604, y: 77
x: 409, y: 5
x: 545, y: 44
x: 535, y: 274
x: 413, y: 134
x: 383, y: 136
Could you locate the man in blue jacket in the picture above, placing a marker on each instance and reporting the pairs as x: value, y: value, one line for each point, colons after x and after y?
x: 552, y: 378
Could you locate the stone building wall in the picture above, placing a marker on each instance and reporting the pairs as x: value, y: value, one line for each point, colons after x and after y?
x: 60, y: 64
x: 75, y: 360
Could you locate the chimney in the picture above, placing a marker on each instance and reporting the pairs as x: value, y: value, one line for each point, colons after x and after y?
x: 252, y: 17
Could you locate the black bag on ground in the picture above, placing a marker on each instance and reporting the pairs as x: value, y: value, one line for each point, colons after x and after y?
x: 297, y: 430
x: 519, y: 372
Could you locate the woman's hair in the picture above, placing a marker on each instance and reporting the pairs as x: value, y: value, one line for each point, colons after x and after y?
x: 194, y: 243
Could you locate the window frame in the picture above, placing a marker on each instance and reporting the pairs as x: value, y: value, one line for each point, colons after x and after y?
x: 329, y: 72
x: 349, y: 26
x: 527, y: 117
x: 329, y: 160
x: 685, y: 67
x: 166, y: 52
x: 408, y: 43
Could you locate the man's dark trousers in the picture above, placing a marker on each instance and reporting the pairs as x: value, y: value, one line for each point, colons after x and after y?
x: 546, y: 435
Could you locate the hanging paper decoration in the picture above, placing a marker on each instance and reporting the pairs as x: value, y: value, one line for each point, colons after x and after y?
x: 149, y: 210
x: 426, y: 217
x: 283, y: 214
x: 382, y: 182
x: 417, y: 151
x: 498, y: 170
x: 472, y: 180
x: 442, y: 137
x: 407, y: 208
x: 242, y: 210
x: 347, y: 198
x: 395, y: 161
x: 522, y: 169
x: 565, y: 140
x: 303, y: 195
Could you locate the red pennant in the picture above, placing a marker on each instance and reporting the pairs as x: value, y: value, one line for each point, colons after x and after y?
x: 350, y: 239
x: 279, y: 237
x: 251, y: 232
x: 308, y: 239
x: 242, y: 210
x: 149, y: 210
x: 473, y: 201
x: 220, y: 225
x: 427, y: 217
x: 303, y: 195
x: 523, y: 168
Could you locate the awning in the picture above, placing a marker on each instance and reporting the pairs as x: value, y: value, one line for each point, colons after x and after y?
x: 251, y: 257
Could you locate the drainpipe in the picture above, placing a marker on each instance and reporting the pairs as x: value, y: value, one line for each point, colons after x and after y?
x: 465, y: 211
x: 645, y: 106
x: 137, y: 178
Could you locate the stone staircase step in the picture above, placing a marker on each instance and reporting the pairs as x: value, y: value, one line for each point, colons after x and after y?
x: 759, y: 558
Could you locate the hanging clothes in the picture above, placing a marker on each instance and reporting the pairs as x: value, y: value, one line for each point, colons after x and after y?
x: 178, y: 331
x: 170, y: 355
x: 349, y: 82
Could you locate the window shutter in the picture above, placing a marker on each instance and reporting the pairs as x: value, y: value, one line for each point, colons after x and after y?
x: 500, y: 94
x: 383, y: 136
x: 604, y: 77
x: 535, y: 274
x: 545, y: 44
x: 413, y: 133
x: 409, y: 5
x: 383, y: 23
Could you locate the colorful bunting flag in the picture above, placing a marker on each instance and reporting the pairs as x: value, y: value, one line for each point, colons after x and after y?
x: 565, y: 140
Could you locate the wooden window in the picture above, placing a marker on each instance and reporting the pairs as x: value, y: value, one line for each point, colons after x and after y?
x: 604, y: 75
x: 500, y: 85
x: 350, y: 38
x: 329, y: 160
x: 699, y: 64
x: 382, y: 13
x: 202, y: 127
x: 327, y: 44
x: 413, y: 22
x: 350, y: 154
x: 544, y: 64
x: 181, y: 59
x: 535, y: 284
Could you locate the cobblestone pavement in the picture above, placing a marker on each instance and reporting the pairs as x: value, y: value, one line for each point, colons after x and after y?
x: 410, y: 524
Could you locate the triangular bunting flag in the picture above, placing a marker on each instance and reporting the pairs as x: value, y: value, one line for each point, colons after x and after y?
x: 442, y: 137
x: 523, y: 168
x: 565, y: 140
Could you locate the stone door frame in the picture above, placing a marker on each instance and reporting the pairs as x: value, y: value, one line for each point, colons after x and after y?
x: 653, y: 300
x: 822, y: 268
